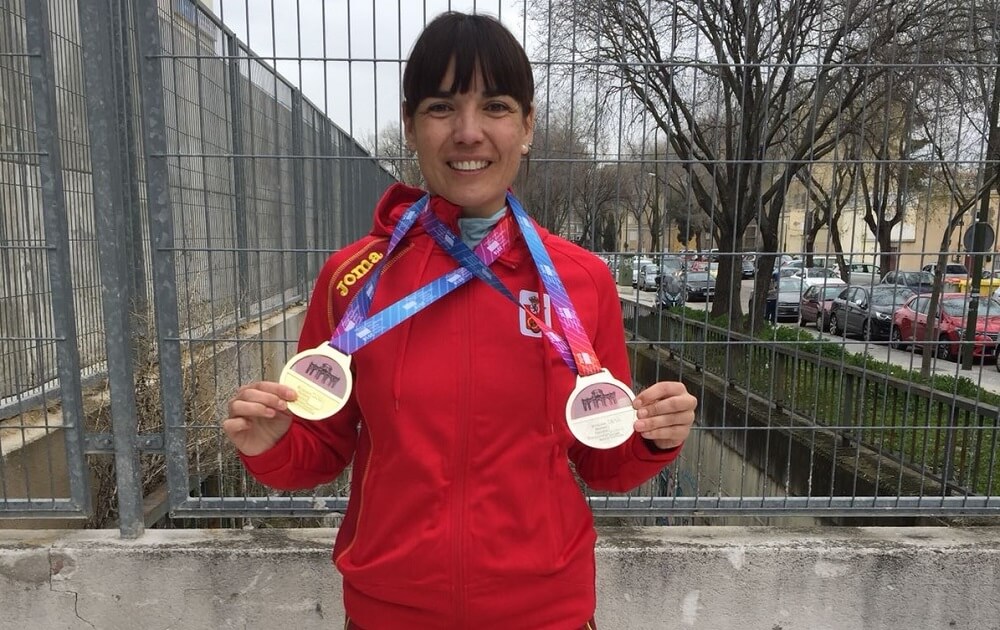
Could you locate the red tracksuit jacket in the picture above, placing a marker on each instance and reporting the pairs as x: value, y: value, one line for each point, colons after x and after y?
x: 464, y: 512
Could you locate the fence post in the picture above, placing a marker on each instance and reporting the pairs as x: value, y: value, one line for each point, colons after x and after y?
x: 240, y: 181
x: 847, y: 416
x: 948, y: 468
x: 60, y: 275
x: 299, y: 193
x: 161, y: 230
x: 102, y: 120
x: 135, y: 257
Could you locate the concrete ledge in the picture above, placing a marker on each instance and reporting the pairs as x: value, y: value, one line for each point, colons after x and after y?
x: 679, y: 577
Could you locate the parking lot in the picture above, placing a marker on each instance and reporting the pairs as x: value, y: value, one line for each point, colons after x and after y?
x: 984, y: 375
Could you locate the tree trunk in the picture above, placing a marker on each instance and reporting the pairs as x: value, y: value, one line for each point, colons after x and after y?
x: 729, y: 282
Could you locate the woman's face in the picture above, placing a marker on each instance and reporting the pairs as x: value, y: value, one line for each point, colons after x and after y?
x: 469, y: 145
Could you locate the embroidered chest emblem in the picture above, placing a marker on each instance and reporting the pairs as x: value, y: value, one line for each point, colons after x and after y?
x: 540, y: 306
x: 358, y: 272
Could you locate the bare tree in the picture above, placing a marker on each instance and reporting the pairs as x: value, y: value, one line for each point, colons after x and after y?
x: 829, y: 198
x: 564, y: 184
x: 389, y: 146
x: 766, y: 80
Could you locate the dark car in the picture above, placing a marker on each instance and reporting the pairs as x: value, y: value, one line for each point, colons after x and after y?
x: 919, y: 281
x: 671, y: 292
x: 700, y: 285
x: 748, y: 268
x: 867, y: 311
x: 814, y: 307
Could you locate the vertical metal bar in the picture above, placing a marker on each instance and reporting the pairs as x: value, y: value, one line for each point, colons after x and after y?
x: 161, y: 229
x: 239, y: 177
x: 299, y: 192
x: 127, y: 137
x: 43, y: 92
x: 102, y: 119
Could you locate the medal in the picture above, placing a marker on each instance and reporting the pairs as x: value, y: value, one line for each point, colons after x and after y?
x: 322, y: 379
x: 599, y: 411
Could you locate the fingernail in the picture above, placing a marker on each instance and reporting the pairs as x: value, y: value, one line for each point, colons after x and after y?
x: 642, y: 413
x: 640, y: 426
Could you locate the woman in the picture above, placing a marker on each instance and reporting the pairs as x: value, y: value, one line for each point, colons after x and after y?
x: 464, y: 512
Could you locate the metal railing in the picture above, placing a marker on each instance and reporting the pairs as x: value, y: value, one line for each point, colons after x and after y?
x: 168, y: 197
x: 867, y: 441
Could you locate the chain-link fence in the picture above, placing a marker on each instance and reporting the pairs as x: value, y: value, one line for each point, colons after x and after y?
x: 173, y: 179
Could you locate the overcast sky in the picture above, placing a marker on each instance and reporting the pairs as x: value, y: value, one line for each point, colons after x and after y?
x: 362, y: 95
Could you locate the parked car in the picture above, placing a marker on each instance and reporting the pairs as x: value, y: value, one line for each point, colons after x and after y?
x: 910, y: 322
x: 670, y: 266
x: 700, y: 285
x: 814, y: 306
x: 671, y: 292
x: 789, y: 296
x: 812, y: 273
x: 748, y: 267
x: 863, y: 274
x: 637, y: 265
x: 919, y: 281
x: 867, y: 311
x: 649, y: 275
x: 953, y: 272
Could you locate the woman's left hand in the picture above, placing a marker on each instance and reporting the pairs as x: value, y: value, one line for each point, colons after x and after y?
x: 666, y: 413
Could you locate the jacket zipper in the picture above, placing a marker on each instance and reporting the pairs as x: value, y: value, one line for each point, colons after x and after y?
x: 371, y: 439
x: 459, y: 501
x: 361, y: 499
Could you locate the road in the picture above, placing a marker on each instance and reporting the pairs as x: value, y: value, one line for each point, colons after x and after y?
x: 986, y: 375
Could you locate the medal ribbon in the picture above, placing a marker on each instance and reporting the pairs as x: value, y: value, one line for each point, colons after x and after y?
x: 579, y: 355
x: 356, y: 330
x: 576, y: 336
x: 472, y: 261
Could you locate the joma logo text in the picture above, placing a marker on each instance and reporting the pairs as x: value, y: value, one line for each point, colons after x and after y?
x: 362, y: 268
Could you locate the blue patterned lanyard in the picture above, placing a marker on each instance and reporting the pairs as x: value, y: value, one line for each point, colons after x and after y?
x: 355, y: 329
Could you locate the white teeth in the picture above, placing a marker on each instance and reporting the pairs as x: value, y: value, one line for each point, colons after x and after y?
x: 469, y: 166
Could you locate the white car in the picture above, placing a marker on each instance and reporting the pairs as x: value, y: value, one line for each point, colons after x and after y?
x: 649, y: 276
x: 637, y: 265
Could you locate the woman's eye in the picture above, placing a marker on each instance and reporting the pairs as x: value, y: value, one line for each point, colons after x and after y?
x: 498, y: 107
x: 438, y: 108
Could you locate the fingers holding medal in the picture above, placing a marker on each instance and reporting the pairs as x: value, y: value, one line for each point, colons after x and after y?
x: 665, y: 412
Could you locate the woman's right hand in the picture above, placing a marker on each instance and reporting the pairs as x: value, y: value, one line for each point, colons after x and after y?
x: 258, y: 416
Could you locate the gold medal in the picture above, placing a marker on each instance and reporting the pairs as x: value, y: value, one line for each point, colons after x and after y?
x: 322, y: 379
x: 599, y: 411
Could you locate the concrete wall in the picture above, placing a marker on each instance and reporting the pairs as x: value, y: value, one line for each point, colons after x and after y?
x: 713, y: 578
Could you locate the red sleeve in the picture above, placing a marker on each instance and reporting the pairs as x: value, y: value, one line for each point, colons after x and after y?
x: 312, y: 453
x: 627, y: 466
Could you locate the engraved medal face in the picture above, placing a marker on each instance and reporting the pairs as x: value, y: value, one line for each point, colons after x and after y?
x: 322, y: 379
x: 599, y: 411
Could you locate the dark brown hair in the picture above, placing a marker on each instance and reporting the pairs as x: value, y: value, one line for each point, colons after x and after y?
x: 473, y: 41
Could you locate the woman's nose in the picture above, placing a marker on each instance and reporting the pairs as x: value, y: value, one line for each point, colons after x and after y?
x: 468, y: 128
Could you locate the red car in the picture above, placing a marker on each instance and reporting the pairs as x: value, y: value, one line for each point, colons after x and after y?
x: 910, y: 323
x: 816, y: 302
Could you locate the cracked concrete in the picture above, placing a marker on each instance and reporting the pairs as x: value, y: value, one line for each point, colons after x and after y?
x: 713, y: 578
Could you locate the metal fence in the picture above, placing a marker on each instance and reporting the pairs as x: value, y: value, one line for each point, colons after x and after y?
x: 171, y: 180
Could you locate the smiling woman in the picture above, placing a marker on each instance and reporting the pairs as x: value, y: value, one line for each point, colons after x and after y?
x: 468, y: 111
x: 468, y: 334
